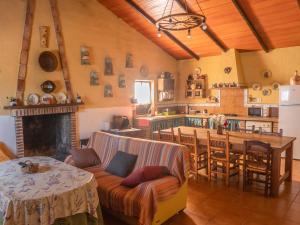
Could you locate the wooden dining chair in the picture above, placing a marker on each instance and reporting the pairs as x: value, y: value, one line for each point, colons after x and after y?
x: 277, y: 134
x: 198, y: 152
x: 257, y: 164
x: 165, y: 136
x: 220, y: 158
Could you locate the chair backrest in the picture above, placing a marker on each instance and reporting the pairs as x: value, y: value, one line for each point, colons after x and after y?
x: 166, y: 136
x: 218, y: 145
x: 278, y: 134
x: 257, y: 151
x: 190, y: 141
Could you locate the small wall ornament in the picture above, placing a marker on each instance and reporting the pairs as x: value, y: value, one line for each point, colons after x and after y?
x: 129, y: 61
x: 108, y: 91
x: 122, y: 81
x: 227, y: 69
x: 44, y: 36
x: 144, y: 71
x: 85, y: 55
x: 94, y: 78
x: 108, y: 66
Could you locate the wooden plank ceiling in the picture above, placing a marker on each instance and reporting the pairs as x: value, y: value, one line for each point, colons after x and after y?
x: 246, y: 25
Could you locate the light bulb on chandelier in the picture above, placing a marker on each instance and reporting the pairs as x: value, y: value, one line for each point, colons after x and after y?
x: 158, y: 33
x: 189, y: 35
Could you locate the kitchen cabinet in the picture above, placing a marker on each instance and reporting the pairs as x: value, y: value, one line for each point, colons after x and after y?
x: 165, y: 88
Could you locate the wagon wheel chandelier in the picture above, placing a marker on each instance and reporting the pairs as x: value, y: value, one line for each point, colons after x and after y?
x: 170, y: 21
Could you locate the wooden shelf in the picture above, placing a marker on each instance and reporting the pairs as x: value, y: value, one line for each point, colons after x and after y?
x: 40, y: 106
x: 226, y: 88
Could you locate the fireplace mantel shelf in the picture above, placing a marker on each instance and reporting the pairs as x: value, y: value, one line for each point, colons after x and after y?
x: 34, y: 110
x: 40, y: 106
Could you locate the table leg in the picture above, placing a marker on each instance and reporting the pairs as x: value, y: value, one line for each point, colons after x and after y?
x: 289, y: 162
x: 276, y: 163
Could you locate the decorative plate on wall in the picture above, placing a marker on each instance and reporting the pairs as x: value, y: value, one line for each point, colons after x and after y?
x: 61, y: 98
x: 267, y: 74
x: 144, y: 71
x: 275, y: 85
x: 33, y: 99
x: 48, y: 99
x: 48, y: 86
x: 266, y: 92
x: 256, y: 87
x: 48, y: 61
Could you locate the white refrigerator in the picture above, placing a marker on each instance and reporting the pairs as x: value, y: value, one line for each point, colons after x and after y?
x: 289, y: 114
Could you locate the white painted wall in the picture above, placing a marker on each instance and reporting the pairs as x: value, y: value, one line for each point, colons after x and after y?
x: 94, y: 119
x: 89, y: 120
x: 7, y: 132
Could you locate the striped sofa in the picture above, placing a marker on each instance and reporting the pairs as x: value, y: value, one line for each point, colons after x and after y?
x: 151, y: 202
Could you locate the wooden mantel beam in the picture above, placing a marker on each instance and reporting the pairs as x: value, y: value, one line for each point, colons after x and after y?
x: 208, y: 31
x: 171, y: 36
x: 25, y: 51
x: 250, y: 25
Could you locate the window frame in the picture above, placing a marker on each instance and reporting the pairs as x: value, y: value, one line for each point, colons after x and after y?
x: 150, y: 89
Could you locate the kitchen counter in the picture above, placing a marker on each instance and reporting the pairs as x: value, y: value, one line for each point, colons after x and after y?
x: 242, y: 118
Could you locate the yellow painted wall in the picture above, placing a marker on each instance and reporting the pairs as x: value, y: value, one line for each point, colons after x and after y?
x: 281, y: 62
x: 84, y: 22
x: 213, y: 66
x: 246, y: 67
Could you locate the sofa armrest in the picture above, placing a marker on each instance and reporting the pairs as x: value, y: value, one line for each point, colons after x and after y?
x: 69, y: 160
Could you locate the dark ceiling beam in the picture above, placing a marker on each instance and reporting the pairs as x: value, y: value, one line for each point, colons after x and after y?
x: 168, y: 34
x: 250, y: 25
x: 208, y: 31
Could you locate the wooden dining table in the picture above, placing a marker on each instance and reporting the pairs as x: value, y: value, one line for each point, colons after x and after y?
x: 278, y: 144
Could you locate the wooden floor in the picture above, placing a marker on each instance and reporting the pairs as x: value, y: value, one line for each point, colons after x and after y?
x: 214, y: 204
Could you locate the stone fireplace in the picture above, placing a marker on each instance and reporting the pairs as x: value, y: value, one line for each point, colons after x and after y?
x: 45, y: 130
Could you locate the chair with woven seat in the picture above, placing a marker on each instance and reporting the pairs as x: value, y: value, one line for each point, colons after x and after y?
x: 257, y: 164
x: 198, y: 152
x: 165, y: 136
x: 220, y: 158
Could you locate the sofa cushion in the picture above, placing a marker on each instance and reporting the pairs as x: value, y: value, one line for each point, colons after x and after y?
x: 85, y: 157
x: 121, y: 164
x: 144, y: 174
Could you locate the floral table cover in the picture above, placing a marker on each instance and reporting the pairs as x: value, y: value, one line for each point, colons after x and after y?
x: 58, y: 190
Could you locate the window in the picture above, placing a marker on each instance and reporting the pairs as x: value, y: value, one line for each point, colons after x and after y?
x: 142, y: 92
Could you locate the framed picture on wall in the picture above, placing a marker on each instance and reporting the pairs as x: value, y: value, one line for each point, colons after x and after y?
x: 129, y: 61
x: 108, y: 66
x: 122, y: 81
x: 108, y: 91
x: 94, y: 78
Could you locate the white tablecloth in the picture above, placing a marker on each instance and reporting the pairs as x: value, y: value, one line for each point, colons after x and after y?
x: 57, y: 191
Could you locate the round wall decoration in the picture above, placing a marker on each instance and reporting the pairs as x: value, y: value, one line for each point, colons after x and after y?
x: 33, y: 99
x: 256, y: 86
x: 48, y: 86
x: 275, y: 85
x: 266, y: 92
x: 48, y: 61
x: 227, y: 69
x: 267, y: 74
x: 144, y: 71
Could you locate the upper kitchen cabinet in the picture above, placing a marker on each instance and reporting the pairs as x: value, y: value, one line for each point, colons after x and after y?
x: 166, y: 87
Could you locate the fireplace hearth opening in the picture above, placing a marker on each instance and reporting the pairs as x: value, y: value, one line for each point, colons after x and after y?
x: 47, y: 135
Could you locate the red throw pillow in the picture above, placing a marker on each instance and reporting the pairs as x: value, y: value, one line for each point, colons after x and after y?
x: 145, y: 174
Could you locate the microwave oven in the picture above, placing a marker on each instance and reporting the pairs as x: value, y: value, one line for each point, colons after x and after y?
x: 255, y: 111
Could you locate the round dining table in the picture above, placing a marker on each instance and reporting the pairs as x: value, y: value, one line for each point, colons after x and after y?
x: 55, y: 192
